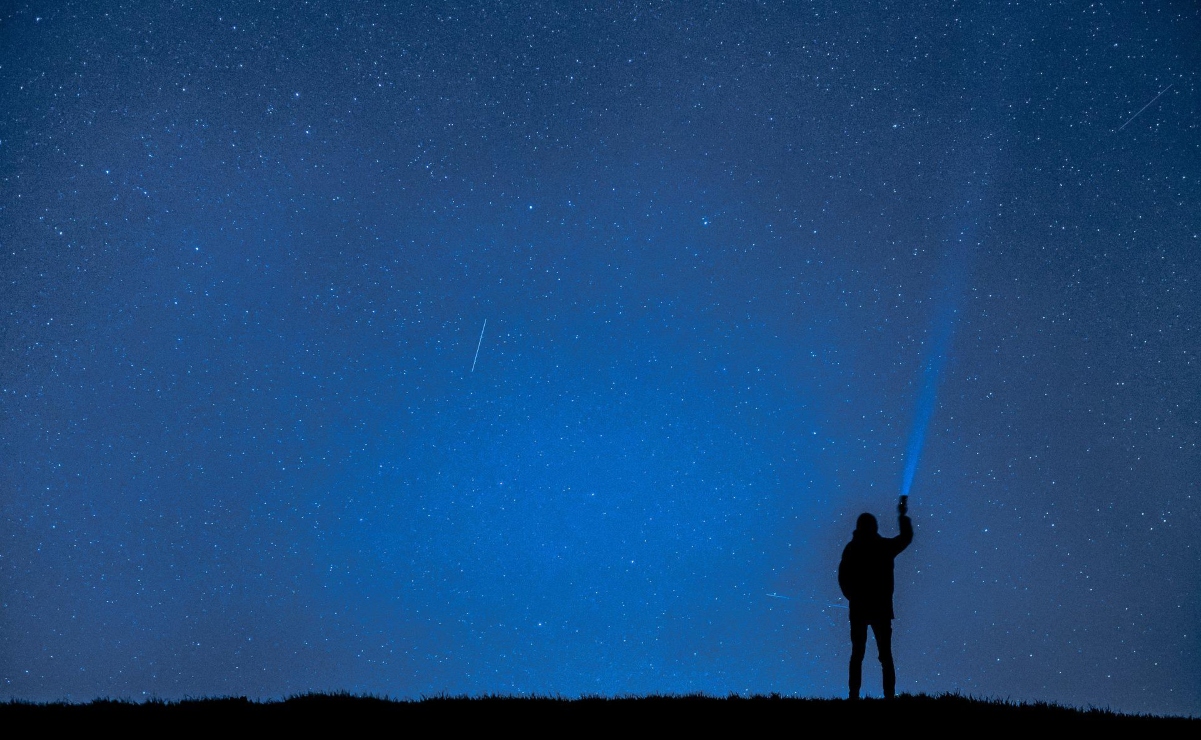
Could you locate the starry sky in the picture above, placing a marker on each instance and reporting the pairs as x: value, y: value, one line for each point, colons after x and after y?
x: 739, y: 264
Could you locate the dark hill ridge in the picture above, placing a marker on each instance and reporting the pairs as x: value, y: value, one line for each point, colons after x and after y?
x: 917, y: 714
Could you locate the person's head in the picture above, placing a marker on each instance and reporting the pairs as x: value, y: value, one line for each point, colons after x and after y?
x: 866, y: 524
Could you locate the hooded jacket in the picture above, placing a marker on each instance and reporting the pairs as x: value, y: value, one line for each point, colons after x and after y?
x: 865, y: 573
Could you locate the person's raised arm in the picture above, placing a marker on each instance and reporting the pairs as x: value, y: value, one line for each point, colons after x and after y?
x: 901, y: 541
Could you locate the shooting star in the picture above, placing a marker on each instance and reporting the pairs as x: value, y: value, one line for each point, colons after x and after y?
x: 823, y: 604
x: 1145, y: 107
x: 477, y: 345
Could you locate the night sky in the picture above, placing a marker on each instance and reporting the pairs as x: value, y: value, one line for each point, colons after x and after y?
x: 731, y: 258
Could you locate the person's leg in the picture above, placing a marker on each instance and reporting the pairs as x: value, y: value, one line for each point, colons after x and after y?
x: 858, y: 648
x: 883, y: 631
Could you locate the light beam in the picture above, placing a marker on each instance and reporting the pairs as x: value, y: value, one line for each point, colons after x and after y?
x: 960, y: 258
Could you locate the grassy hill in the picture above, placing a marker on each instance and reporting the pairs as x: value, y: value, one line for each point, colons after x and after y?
x: 657, y: 714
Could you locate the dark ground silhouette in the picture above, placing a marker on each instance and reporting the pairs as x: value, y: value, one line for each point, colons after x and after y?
x: 589, y: 716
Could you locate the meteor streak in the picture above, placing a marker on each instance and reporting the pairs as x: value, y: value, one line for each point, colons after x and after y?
x: 1145, y: 107
x: 477, y: 345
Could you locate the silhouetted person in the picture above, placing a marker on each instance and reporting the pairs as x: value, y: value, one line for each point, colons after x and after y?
x: 865, y: 577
